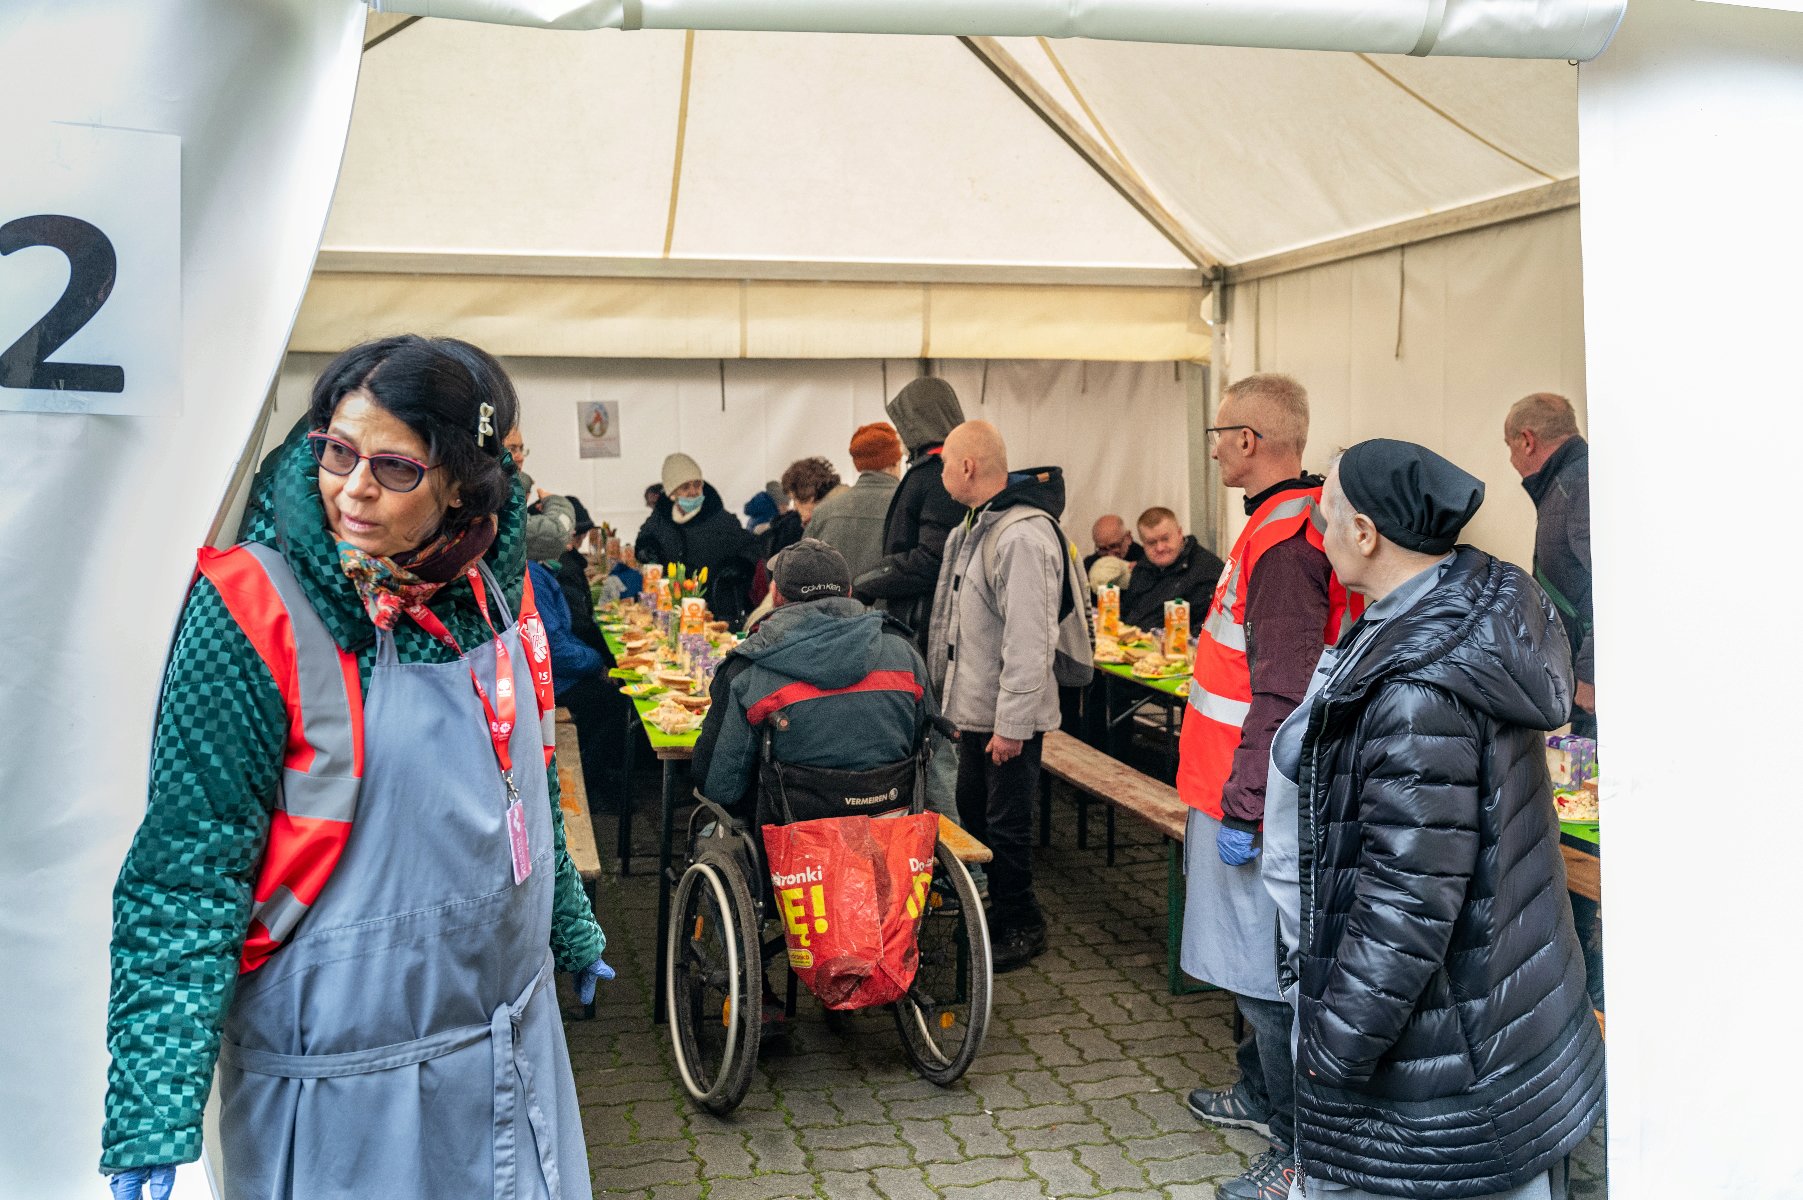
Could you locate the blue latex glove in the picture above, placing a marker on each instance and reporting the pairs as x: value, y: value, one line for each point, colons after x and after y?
x: 588, y: 977
x: 1235, y: 846
x: 129, y: 1185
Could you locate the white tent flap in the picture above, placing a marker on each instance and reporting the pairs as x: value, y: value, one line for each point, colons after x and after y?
x: 1479, y: 28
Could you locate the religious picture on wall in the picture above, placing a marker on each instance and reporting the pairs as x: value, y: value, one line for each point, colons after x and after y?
x: 598, y: 428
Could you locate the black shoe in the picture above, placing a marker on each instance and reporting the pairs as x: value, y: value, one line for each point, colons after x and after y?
x: 1268, y: 1178
x: 1012, y: 949
x: 1226, y: 1109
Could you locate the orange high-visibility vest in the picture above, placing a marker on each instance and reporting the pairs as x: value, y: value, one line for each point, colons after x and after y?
x: 1220, y: 690
x: 322, y: 756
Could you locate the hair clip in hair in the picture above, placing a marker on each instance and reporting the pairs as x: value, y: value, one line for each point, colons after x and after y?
x: 485, y: 425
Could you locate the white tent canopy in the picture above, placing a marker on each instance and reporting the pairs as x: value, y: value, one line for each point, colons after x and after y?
x: 926, y: 187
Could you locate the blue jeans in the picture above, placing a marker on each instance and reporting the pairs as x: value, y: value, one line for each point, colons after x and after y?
x: 1267, y: 1080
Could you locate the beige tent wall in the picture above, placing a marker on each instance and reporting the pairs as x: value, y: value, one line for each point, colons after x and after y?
x: 780, y: 319
x: 1433, y: 343
x: 1117, y: 429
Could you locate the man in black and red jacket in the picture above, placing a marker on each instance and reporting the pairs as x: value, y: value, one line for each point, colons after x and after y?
x: 837, y: 685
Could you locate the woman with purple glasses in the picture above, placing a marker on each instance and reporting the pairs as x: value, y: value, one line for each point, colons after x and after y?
x: 350, y: 890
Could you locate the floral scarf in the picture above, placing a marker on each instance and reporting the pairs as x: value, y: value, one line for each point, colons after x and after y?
x: 391, y: 586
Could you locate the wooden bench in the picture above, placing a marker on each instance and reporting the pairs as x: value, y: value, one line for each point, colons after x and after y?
x: 964, y: 847
x: 1094, y: 775
x: 578, y: 826
x: 1583, y: 873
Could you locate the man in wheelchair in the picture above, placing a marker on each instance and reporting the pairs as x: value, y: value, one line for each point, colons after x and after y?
x: 835, y: 685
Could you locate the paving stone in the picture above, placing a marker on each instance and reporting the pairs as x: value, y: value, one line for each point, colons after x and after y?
x: 762, y: 1187
x: 908, y: 1183
x: 930, y: 1141
x: 1061, y: 1172
x: 1107, y: 1089
x: 979, y: 1134
x: 646, y: 1173
x: 1167, y: 1111
x: 892, y: 1153
x: 1006, y: 1189
x: 1194, y: 1168
x: 997, y: 1091
x: 1042, y: 1087
x: 1172, y: 1145
x: 723, y: 1154
x: 1052, y: 1137
x: 1121, y: 1118
x: 776, y: 1150
x: 974, y: 1171
x: 1041, y: 1115
x: 837, y: 1185
x: 1111, y: 1167
x: 842, y: 1136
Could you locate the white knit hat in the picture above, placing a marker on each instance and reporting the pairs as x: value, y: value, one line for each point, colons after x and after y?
x: 679, y: 469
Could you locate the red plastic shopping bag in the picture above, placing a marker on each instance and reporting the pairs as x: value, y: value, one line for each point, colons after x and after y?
x: 850, y: 891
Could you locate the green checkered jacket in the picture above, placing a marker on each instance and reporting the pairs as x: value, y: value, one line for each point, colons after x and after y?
x: 183, y: 899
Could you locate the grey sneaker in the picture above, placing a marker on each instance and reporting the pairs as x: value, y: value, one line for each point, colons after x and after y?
x: 1227, y: 1109
x: 1268, y: 1178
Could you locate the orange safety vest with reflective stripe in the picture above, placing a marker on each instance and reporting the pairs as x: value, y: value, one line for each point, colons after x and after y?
x: 1220, y: 690
x: 322, y: 755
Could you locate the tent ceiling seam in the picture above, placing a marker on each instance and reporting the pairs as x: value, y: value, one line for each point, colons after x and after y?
x: 682, y: 130
x: 1040, y: 102
x: 1500, y: 210
x: 1120, y: 159
x: 1455, y: 122
x: 400, y: 26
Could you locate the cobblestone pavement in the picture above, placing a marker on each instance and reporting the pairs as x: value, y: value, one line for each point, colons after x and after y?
x: 1078, y: 1092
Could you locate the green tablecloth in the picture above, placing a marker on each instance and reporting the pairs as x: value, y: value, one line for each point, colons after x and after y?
x: 644, y: 704
x: 1177, y: 685
x: 1583, y: 832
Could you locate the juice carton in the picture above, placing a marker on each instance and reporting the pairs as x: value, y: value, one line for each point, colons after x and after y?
x: 694, y: 615
x: 652, y: 573
x: 666, y: 595
x: 1108, y: 611
x: 1176, y: 628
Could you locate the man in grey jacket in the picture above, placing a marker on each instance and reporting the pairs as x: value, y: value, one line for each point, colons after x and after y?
x: 991, y: 652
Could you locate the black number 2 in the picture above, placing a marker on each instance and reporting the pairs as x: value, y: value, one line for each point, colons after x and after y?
x: 93, y: 266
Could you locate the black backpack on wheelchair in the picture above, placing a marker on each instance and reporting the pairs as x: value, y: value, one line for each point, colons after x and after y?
x: 716, y: 951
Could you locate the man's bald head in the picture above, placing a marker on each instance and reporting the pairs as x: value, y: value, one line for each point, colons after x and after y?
x: 1111, y: 537
x: 976, y: 463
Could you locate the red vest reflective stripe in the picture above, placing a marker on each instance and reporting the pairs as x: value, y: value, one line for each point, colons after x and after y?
x: 322, y: 760
x: 1220, y: 693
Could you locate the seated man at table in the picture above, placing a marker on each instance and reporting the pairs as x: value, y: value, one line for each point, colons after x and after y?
x: 838, y: 685
x: 1112, y: 540
x: 1176, y: 567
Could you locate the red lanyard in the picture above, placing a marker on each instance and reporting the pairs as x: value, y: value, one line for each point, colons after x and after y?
x: 500, y: 725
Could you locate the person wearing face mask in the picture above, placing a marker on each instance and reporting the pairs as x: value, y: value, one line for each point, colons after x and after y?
x: 691, y: 526
x: 350, y: 888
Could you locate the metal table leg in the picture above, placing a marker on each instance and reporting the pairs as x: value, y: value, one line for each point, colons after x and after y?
x: 666, y: 835
x: 623, y: 833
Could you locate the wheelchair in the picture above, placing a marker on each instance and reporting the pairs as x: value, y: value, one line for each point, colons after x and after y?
x: 725, y: 928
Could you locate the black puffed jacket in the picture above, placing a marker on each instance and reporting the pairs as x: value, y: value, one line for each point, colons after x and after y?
x: 1447, y: 1044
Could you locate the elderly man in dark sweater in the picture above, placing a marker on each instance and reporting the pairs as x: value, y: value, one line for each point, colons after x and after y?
x: 1176, y: 567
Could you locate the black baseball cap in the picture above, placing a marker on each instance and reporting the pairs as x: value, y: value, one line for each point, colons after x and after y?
x: 810, y: 570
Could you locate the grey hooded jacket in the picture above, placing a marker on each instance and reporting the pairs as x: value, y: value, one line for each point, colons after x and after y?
x: 994, y: 638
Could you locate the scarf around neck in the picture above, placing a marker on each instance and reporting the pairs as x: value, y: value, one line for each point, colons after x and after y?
x: 389, y: 586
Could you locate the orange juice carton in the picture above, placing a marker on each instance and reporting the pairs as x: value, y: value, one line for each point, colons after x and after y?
x: 1108, y: 611
x: 694, y: 615
x: 1176, y: 628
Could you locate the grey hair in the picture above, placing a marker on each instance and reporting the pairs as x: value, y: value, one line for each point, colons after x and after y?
x: 1546, y: 415
x: 1282, y: 407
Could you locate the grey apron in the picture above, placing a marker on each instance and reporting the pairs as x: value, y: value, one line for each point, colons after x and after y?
x: 1229, y: 919
x: 405, y: 1042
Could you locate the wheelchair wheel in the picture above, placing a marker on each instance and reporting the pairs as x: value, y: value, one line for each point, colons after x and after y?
x: 711, y: 978
x: 945, y: 1015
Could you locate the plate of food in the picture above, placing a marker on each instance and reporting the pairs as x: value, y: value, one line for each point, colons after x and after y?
x: 1156, y: 666
x: 1576, y: 807
x: 692, y: 702
x: 674, y: 718
x: 638, y: 691
x: 1110, y: 653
